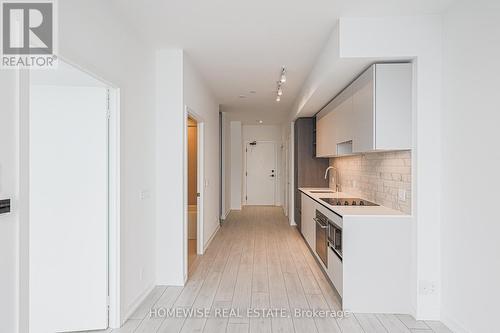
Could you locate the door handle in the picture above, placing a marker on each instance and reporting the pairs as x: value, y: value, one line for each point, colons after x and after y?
x: 271, y: 175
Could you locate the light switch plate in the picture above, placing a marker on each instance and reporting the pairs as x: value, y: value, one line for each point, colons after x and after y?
x: 401, y: 195
x: 145, y: 194
x: 427, y: 288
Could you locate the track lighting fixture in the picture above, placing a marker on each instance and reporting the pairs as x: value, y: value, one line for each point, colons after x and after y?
x: 283, y: 75
x: 279, y: 83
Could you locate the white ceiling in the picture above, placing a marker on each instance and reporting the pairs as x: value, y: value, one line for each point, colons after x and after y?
x: 239, y: 46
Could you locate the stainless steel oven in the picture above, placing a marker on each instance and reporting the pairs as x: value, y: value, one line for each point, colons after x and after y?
x: 335, y: 238
x: 322, y: 237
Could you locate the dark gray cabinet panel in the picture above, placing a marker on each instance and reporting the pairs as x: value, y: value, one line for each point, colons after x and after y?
x: 308, y: 169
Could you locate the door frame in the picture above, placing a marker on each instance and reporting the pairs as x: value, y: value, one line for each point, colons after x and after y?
x: 115, y: 319
x: 245, y: 170
x: 188, y: 112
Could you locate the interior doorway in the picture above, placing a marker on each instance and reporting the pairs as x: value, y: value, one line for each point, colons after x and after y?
x: 194, y: 188
x: 73, y: 203
x: 260, y: 173
x: 192, y: 171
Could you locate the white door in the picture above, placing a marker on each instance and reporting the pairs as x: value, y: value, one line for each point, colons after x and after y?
x: 68, y: 208
x: 261, y: 173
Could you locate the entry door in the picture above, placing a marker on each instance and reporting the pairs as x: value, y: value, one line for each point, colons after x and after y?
x: 68, y: 208
x: 261, y: 173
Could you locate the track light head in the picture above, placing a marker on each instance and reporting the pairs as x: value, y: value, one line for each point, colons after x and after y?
x: 283, y: 75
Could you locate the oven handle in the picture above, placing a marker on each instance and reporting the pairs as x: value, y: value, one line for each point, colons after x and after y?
x: 321, y: 225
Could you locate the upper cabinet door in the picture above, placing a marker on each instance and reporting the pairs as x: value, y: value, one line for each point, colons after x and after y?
x: 373, y: 113
x: 324, y: 135
x: 363, y: 115
x: 333, y: 124
x: 393, y: 104
x: 342, y: 127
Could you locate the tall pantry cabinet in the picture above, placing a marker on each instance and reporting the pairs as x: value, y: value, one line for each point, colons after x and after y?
x: 309, y: 170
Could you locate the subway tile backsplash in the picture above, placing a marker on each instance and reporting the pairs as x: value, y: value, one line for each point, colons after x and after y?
x: 378, y: 177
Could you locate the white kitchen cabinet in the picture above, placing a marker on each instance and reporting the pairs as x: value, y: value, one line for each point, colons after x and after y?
x: 334, y: 126
x: 374, y: 275
x: 393, y: 91
x: 335, y: 271
x: 308, y: 226
x: 324, y: 136
x: 373, y: 113
x: 363, y: 115
x: 343, y: 114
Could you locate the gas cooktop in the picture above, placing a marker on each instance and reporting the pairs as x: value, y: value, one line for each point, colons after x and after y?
x: 347, y: 202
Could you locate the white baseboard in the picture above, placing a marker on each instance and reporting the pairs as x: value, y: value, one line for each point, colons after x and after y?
x: 211, y: 238
x: 135, y: 305
x: 453, y: 324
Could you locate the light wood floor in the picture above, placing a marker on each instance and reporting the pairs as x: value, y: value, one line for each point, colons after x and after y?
x: 258, y: 261
x: 192, y: 255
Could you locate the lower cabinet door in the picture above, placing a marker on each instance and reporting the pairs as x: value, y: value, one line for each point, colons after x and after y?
x: 335, y: 271
x: 304, y: 228
x: 304, y: 218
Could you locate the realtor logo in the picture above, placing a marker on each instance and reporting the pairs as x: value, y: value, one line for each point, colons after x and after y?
x: 28, y: 34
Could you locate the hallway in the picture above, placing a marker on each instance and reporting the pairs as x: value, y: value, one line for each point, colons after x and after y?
x: 258, y: 261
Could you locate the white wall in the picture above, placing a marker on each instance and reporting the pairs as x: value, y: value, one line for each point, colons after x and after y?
x: 200, y: 99
x: 266, y: 133
x: 169, y: 168
x: 261, y: 133
x: 8, y: 189
x: 107, y: 56
x: 179, y: 85
x: 471, y: 159
x: 285, y: 167
x: 289, y: 133
x: 236, y: 164
x: 226, y: 174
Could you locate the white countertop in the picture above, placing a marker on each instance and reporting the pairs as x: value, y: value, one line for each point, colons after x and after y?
x: 349, y: 210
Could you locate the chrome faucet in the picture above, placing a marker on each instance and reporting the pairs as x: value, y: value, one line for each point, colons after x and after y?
x: 335, y: 177
x: 328, y: 169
